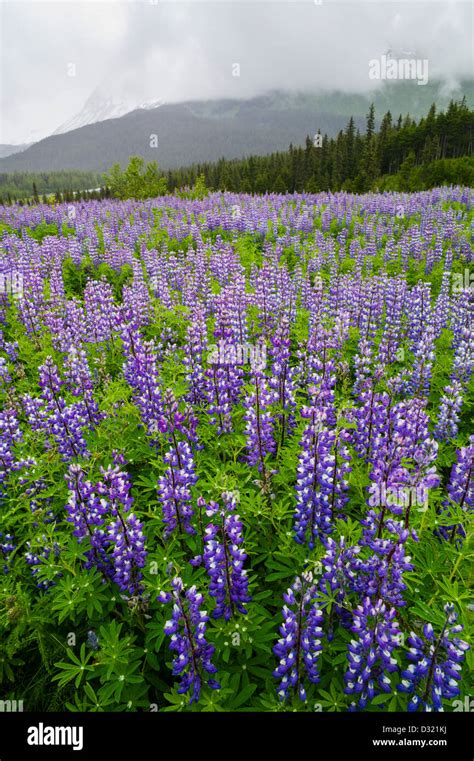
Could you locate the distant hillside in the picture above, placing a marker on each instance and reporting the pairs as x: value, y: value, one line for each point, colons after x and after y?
x: 8, y: 150
x: 184, y: 137
x: 204, y: 131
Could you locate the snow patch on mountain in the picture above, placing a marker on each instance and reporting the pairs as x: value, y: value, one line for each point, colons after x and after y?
x: 99, y: 107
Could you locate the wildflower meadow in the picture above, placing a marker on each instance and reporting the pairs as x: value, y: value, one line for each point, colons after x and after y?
x: 236, y: 453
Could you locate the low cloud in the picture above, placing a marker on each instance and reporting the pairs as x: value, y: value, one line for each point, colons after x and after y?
x: 173, y: 51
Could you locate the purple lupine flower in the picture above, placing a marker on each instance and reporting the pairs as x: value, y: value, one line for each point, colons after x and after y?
x: 224, y: 558
x: 66, y: 426
x: 223, y: 380
x: 299, y: 646
x: 128, y: 554
x: 7, y: 546
x: 5, y: 377
x: 371, y: 306
x: 423, y: 475
x: 461, y: 315
x: 460, y: 489
x: 40, y: 506
x: 449, y: 409
x: 141, y: 373
x: 196, y: 350
x: 338, y: 574
x: 363, y: 367
x: 102, y: 514
x: 92, y: 640
x: 87, y: 512
x: 125, y: 533
x: 461, y: 486
x: 282, y: 380
x: 172, y: 422
x: 334, y: 466
x: 79, y: 380
x: 174, y: 489
x: 321, y: 483
x: 265, y: 296
x: 10, y: 434
x: 380, y: 574
x: 259, y: 423
x: 395, y: 296
x: 100, y: 311
x: 320, y: 374
x: 442, y: 306
x: 32, y: 306
x: 463, y: 363
x: 435, y: 667
x: 65, y: 423
x: 403, y: 471
x: 218, y: 398
x: 453, y: 398
x: 187, y: 630
x: 419, y: 381
x: 135, y: 297
x: 372, y: 421
x: 10, y: 348
x: 38, y: 555
x: 370, y: 656
x: 418, y: 479
x: 230, y: 311
x: 419, y: 310
x: 65, y: 320
x: 73, y: 332
x: 174, y: 486
x: 308, y: 518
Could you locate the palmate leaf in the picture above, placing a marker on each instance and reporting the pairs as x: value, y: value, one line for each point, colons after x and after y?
x: 242, y: 698
x: 428, y: 613
x: 393, y: 705
x: 76, y: 670
x: 380, y: 699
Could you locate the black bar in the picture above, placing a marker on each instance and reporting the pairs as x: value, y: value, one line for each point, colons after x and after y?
x: 112, y: 736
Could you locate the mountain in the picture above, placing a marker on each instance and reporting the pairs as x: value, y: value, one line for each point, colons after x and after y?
x: 185, y: 133
x: 7, y: 149
x: 99, y: 107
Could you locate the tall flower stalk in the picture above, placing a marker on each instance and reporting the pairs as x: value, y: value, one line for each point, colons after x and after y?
x: 187, y: 631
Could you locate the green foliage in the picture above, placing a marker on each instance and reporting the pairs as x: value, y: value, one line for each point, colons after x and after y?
x: 412, y: 178
x: 43, y: 230
x: 136, y: 181
x: 24, y: 184
x: 198, y: 191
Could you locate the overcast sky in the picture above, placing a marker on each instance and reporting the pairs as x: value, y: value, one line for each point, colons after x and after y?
x: 173, y: 50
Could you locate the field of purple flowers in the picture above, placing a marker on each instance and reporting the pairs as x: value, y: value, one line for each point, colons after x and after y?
x: 236, y: 460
